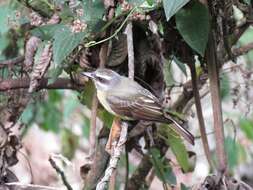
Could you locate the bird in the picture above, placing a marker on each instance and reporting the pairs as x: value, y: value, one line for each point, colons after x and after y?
x: 127, y: 99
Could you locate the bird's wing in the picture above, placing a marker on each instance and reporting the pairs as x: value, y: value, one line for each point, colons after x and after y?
x: 141, y: 106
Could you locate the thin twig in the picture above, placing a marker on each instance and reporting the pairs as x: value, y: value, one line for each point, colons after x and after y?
x: 60, y: 83
x: 115, y: 157
x: 243, y: 49
x: 28, y: 163
x: 191, y: 102
x: 29, y: 186
x: 61, y: 173
x: 202, y: 127
x: 113, y: 179
x: 93, y: 43
x: 150, y: 177
x: 101, y: 158
x: 127, y: 169
x: 130, y: 49
x: 213, y: 74
x: 93, y: 126
x: 11, y: 62
x: 94, y: 106
x: 207, y: 134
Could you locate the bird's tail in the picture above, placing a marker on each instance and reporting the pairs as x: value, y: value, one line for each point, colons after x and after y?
x: 181, y: 130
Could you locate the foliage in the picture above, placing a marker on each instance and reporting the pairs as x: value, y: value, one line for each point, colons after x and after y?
x: 173, y: 140
x: 193, y: 24
x: 162, y: 169
x: 165, y: 33
x: 171, y: 7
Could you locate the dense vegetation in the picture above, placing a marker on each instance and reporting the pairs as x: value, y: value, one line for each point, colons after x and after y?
x: 194, y: 55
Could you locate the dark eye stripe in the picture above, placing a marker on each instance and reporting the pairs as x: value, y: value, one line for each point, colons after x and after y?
x: 102, y: 80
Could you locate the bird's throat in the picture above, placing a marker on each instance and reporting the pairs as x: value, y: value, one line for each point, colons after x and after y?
x: 102, y: 99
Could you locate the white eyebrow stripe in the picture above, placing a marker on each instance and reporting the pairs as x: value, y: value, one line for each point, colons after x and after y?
x: 104, y: 76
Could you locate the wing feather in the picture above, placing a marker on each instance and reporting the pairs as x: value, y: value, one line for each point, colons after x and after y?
x: 145, y: 108
x: 139, y: 107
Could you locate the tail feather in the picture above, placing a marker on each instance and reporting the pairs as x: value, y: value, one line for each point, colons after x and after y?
x: 181, y: 130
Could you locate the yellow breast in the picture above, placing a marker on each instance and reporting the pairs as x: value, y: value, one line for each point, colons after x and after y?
x: 102, y: 99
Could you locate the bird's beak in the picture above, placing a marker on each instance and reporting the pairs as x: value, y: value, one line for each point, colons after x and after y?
x: 88, y: 74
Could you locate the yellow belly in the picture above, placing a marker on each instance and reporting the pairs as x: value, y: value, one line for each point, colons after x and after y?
x: 102, y: 99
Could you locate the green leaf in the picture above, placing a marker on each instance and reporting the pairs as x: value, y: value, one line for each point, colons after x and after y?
x: 93, y: 12
x: 193, y: 24
x: 86, y: 99
x: 87, y: 94
x: 247, y: 2
x: 224, y: 86
x: 66, y: 14
x: 43, y: 7
x: 247, y: 127
x: 52, y: 118
x: 54, y: 96
x: 6, y: 12
x: 242, y: 154
x: 86, y: 126
x: 4, y: 42
x: 70, y: 104
x: 183, y: 187
x: 28, y: 114
x: 168, y: 77
x: 232, y: 152
x: 106, y: 117
x: 162, y: 169
x: 64, y: 43
x: 172, y: 6
x: 181, y: 65
x: 69, y: 143
x: 49, y: 115
x: 150, y: 2
x: 53, y: 73
x: 46, y: 32
x: 176, y: 144
x: 136, y: 2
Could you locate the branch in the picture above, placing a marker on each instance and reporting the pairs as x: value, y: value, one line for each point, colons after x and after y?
x: 127, y: 169
x: 130, y: 49
x: 21, y: 186
x: 91, y: 173
x: 60, y: 83
x: 213, y: 74
x: 139, y: 175
x: 61, y: 173
x: 11, y: 62
x: 93, y: 126
x: 115, y: 157
x: 242, y: 50
x: 199, y: 111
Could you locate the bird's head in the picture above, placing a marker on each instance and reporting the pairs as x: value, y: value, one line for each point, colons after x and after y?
x: 104, y: 79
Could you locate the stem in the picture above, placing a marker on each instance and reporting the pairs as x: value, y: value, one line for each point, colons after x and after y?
x: 93, y: 127
x: 93, y: 43
x: 130, y: 50
x: 127, y: 169
x: 213, y: 74
x: 198, y: 106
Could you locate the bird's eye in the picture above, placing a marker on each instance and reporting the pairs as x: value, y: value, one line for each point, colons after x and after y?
x: 100, y: 79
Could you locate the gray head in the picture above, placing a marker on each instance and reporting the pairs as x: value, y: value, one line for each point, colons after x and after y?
x: 104, y: 79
